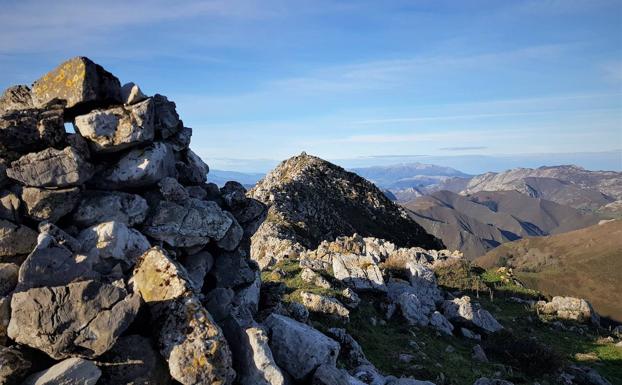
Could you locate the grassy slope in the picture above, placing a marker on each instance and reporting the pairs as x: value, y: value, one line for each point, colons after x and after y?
x: 384, y: 342
x: 584, y: 263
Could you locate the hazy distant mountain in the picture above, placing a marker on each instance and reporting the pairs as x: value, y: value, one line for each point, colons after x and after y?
x: 220, y: 177
x: 482, y: 221
x: 568, y: 185
x: 407, y: 174
x: 585, y: 263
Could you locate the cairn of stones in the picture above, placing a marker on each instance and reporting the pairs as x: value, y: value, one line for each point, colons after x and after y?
x: 119, y: 263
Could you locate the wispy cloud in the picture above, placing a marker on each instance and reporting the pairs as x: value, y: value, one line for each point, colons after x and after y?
x: 464, y: 148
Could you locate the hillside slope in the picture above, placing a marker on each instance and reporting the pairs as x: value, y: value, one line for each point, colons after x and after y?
x: 584, y: 263
x: 482, y: 221
x: 311, y: 200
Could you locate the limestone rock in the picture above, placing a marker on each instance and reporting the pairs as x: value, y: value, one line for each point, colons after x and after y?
x: 423, y: 280
x: 181, y: 140
x: 259, y: 367
x: 314, y: 278
x: 14, y: 367
x: 15, y: 98
x: 358, y: 272
x: 77, y: 81
x: 53, y: 264
x: 188, y: 337
x: 5, y: 317
x: 117, y: 128
x: 407, y: 381
x: 51, y: 168
x: 351, y: 352
x: 192, y: 170
x: 298, y: 348
x: 198, y: 265
x: 569, y: 308
x: 330, y: 375
x: 133, y: 360
x: 325, y: 305
x: 172, y: 191
x: 113, y: 242
x: 16, y: 239
x: 9, y: 206
x: 414, y: 308
x: 166, y: 118
x: 138, y: 168
x: 248, y: 297
x: 23, y: 131
x: 8, y: 277
x: 488, y: 381
x: 72, y: 371
x: 193, y: 224
x: 232, y: 269
x: 49, y: 205
x: 131, y: 94
x: 233, y: 236
x: 440, y: 323
x: 462, y: 309
x: 80, y: 319
x: 478, y: 354
x: 102, y: 206
x: 352, y: 299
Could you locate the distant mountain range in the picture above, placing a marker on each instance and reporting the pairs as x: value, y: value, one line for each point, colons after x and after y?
x: 477, y: 223
x: 585, y: 263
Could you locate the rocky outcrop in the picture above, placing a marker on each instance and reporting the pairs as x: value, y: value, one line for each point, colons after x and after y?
x: 84, y: 266
x: 311, y: 200
x: 463, y: 310
x: 569, y: 308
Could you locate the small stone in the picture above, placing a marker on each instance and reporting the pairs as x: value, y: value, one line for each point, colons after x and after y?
x: 172, y: 191
x: 9, y: 206
x: 131, y: 94
x: 72, y: 371
x: 191, y: 169
x: 478, y: 354
x: 233, y: 236
x: 15, y: 98
x: 14, y: 366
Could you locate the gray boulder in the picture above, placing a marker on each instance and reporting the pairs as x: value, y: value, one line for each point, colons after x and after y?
x: 462, y: 309
x: 29, y: 130
x: 440, y: 323
x: 14, y: 366
x: 16, y: 239
x: 358, y: 272
x: 191, y: 224
x: 569, y: 308
x: 77, y: 81
x: 72, y: 371
x: 172, y: 191
x: 408, y: 381
x: 53, y: 264
x: 351, y: 352
x: 138, y: 168
x: 298, y: 348
x: 166, y: 118
x: 189, y: 339
x: 232, y: 269
x: 110, y: 243
x: 181, y: 140
x: 233, y: 236
x: 133, y: 360
x: 117, y: 128
x: 325, y: 305
x: 49, y: 205
x: 488, y: 381
x: 478, y: 354
x: 102, y: 206
x: 191, y: 169
x: 15, y: 98
x: 51, y: 168
x: 415, y: 309
x: 198, y: 265
x: 9, y: 206
x: 80, y: 319
x: 8, y: 277
x: 330, y: 375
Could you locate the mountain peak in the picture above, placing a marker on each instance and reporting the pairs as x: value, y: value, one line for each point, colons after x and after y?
x: 312, y: 200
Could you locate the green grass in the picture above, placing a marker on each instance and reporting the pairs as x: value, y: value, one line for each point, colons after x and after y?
x: 383, y: 342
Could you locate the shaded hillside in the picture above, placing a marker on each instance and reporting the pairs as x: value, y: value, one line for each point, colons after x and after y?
x: 584, y: 263
x: 311, y: 200
x: 568, y: 185
x: 482, y: 221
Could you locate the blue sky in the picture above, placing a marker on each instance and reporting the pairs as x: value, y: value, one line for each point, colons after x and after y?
x: 353, y: 81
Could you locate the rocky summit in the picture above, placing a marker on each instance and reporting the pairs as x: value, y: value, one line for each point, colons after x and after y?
x: 311, y: 200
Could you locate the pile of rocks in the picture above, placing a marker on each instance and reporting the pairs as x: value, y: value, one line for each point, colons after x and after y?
x: 114, y: 249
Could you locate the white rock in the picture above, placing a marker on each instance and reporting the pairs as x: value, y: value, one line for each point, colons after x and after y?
x: 132, y: 94
x: 72, y: 371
